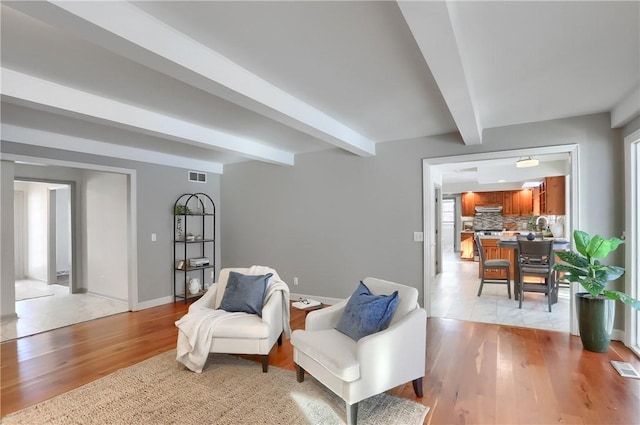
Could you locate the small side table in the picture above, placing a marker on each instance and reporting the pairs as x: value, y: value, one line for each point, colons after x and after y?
x: 309, y: 309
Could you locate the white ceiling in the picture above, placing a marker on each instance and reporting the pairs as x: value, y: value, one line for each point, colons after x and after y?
x: 206, y: 83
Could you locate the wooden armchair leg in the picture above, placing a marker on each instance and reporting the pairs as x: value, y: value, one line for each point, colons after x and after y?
x: 299, y: 374
x: 264, y: 359
x: 352, y: 413
x: 417, y: 387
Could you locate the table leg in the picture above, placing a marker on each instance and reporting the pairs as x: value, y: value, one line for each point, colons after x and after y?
x: 516, y: 274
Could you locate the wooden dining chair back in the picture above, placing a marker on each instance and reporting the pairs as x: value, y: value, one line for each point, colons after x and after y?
x: 535, y: 259
x: 492, y: 264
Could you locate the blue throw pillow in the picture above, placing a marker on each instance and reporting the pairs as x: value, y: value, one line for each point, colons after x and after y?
x: 366, y: 313
x: 244, y: 293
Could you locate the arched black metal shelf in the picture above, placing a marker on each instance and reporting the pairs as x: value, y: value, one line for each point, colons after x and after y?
x: 193, y: 254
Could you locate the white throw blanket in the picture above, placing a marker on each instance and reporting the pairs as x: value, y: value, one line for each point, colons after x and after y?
x: 195, y: 329
x: 275, y: 285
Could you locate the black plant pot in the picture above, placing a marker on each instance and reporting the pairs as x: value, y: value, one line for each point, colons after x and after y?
x: 595, y: 320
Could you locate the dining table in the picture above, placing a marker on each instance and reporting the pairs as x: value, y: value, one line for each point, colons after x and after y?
x: 559, y: 244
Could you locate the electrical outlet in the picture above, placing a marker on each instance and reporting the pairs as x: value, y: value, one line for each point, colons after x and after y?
x: 418, y: 236
x: 212, y: 277
x: 295, y: 281
x: 153, y: 237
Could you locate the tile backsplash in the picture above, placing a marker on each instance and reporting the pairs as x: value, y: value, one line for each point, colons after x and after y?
x: 488, y: 221
x: 496, y: 221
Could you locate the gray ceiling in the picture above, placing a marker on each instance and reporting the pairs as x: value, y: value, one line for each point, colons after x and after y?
x: 209, y: 83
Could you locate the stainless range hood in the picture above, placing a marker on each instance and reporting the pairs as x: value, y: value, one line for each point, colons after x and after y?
x: 489, y: 209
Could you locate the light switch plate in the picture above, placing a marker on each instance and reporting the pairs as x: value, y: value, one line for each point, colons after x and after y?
x: 153, y: 237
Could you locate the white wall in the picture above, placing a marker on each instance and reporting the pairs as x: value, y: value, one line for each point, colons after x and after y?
x: 106, y: 234
x: 63, y: 246
x: 20, y: 232
x: 37, y: 228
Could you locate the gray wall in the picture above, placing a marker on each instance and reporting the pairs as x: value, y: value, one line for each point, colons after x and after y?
x: 7, y: 291
x: 157, y: 189
x: 335, y: 218
x: 331, y: 220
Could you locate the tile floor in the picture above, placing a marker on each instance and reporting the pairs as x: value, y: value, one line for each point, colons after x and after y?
x: 455, y: 296
x: 48, y: 312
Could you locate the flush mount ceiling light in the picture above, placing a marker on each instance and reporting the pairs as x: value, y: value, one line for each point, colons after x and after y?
x: 527, y: 162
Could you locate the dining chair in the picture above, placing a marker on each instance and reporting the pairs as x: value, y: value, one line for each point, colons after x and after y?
x: 493, y: 264
x: 535, y: 259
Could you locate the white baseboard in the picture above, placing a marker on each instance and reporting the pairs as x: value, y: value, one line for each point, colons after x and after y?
x: 8, y: 317
x: 152, y: 303
x: 617, y: 335
x: 323, y: 300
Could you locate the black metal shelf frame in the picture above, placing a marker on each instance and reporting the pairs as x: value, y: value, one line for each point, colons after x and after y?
x: 205, y: 212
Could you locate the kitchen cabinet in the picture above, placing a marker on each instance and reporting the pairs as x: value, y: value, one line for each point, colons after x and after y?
x: 468, y: 204
x: 489, y: 198
x: 517, y: 202
x: 466, y: 246
x: 552, y: 194
x: 510, y: 202
x: 535, y: 194
x: 526, y: 201
x: 493, y: 252
x: 513, y: 202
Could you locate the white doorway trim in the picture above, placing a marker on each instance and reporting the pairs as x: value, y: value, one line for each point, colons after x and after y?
x: 132, y: 240
x: 432, y: 178
x: 632, y: 233
x: 438, y: 227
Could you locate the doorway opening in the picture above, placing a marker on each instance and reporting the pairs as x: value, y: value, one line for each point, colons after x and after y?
x: 433, y: 170
x: 74, y: 257
x: 42, y: 236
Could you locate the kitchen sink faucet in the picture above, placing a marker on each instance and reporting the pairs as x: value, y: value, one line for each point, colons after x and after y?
x: 546, y: 220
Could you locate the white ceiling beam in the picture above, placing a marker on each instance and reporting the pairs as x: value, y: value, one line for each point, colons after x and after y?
x: 128, y: 31
x: 627, y: 109
x: 47, y: 139
x: 54, y: 96
x: 432, y: 27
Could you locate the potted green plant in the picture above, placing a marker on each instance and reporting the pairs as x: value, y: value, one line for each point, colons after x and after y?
x: 596, y: 307
x: 179, y: 210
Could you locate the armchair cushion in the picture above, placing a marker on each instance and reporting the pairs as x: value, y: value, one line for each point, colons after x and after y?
x: 366, y: 313
x: 245, y: 293
x: 334, y: 350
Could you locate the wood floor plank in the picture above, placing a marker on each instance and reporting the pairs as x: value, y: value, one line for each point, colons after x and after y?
x: 476, y: 373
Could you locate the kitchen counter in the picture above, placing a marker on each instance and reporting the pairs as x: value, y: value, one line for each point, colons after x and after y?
x: 558, y: 243
x: 513, y: 238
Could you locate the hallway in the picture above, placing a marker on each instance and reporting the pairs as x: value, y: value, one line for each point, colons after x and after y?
x: 46, y: 311
x: 455, y: 296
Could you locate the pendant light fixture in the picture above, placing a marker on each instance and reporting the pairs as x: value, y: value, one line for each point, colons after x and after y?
x: 527, y: 162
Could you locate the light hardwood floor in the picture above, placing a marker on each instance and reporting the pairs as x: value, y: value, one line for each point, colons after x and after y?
x: 476, y: 373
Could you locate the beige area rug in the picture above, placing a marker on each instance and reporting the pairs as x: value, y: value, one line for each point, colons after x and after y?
x: 229, y: 391
x: 25, y: 292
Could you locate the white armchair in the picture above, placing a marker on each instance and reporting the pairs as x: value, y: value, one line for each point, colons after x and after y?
x: 243, y: 333
x: 356, y: 370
